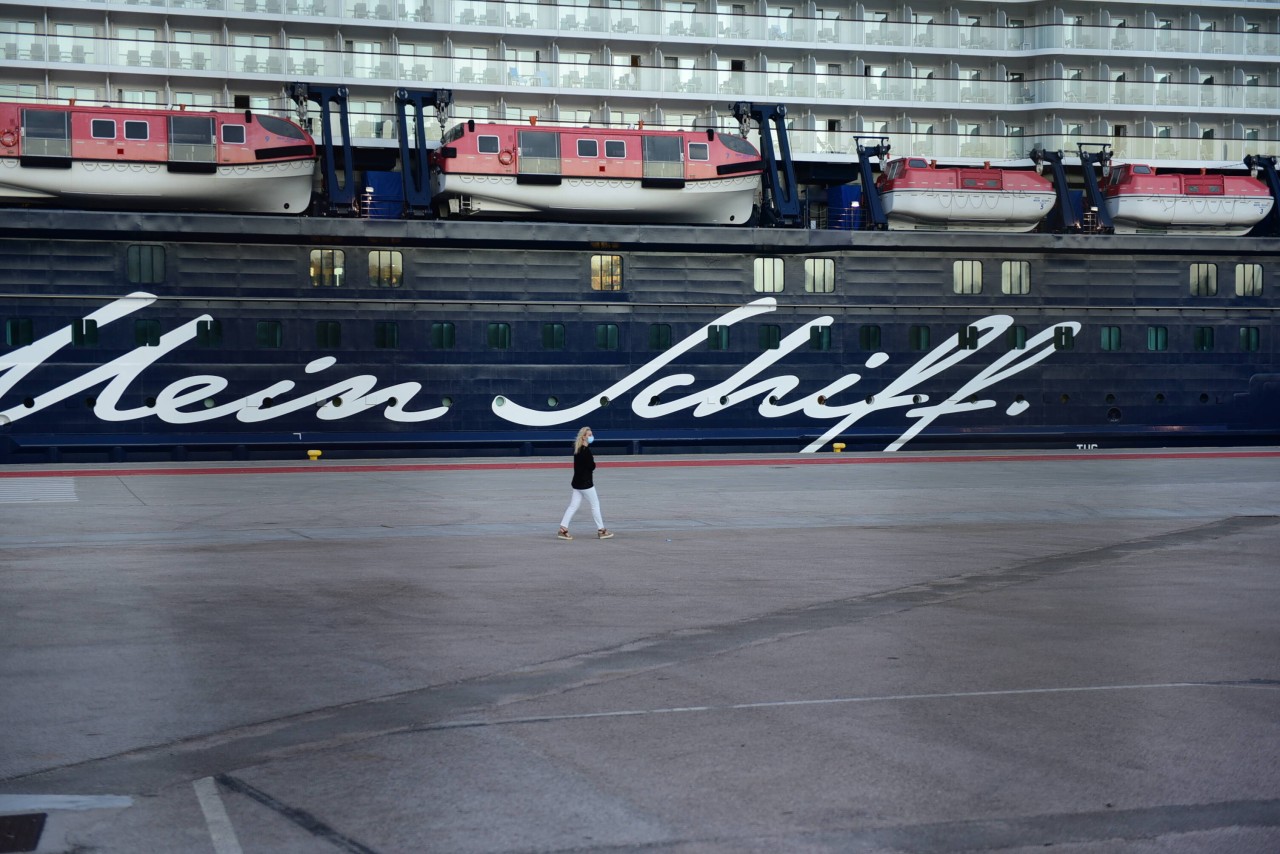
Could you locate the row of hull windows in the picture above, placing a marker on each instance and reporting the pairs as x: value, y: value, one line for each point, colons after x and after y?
x: 145, y: 265
x: 443, y: 335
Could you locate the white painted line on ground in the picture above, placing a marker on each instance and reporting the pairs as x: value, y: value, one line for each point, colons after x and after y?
x: 43, y: 489
x: 215, y: 816
x: 44, y: 803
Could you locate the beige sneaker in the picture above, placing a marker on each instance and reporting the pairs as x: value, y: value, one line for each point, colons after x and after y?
x: 604, y: 533
x: 564, y: 534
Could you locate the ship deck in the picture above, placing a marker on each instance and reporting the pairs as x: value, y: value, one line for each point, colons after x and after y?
x: 918, y: 652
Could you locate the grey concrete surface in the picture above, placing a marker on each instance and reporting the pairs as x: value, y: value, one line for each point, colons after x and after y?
x: 935, y: 654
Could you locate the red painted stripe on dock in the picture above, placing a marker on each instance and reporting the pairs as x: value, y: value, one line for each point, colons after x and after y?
x: 611, y: 462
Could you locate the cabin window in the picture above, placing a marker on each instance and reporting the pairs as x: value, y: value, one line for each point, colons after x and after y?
x: 102, y: 129
x: 487, y: 144
x: 662, y: 157
x: 1202, y: 339
x: 969, y: 338
x: 386, y: 335
x: 588, y: 148
x: 84, y: 333
x: 270, y: 334
x: 233, y: 134
x: 1250, y: 339
x: 819, y: 275
x: 918, y: 338
x: 820, y: 338
x: 46, y: 132
x: 540, y: 152
x: 770, y: 336
x: 191, y: 139
x: 1204, y: 280
x: 1248, y: 280
x: 553, y: 336
x: 659, y: 336
x: 146, y: 333
x: 328, y: 268
x: 1111, y: 338
x: 208, y: 333
x: 18, y: 332
x: 869, y: 338
x: 144, y: 265
x: 499, y: 336
x: 615, y: 148
x: 768, y: 276
x: 606, y: 336
x: 1157, y: 338
x: 1064, y: 338
x: 1016, y: 338
x: 386, y: 268
x: 966, y: 277
x: 1015, y: 278
x: 138, y: 131
x: 443, y: 336
x: 699, y: 151
x: 718, y: 337
x: 328, y: 334
x: 606, y: 272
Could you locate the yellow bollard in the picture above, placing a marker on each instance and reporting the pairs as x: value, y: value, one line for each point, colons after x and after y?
x: 313, y: 455
x: 837, y: 446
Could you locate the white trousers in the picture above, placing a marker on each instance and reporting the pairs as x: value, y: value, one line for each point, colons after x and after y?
x: 576, y: 501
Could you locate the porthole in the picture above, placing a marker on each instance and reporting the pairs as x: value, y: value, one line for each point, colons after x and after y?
x: 655, y: 400
x: 1017, y: 398
x: 1204, y: 398
x: 266, y: 403
x: 1066, y: 398
x: 553, y: 402
x: 29, y: 402
x: 497, y: 401
x: 337, y: 401
x: 724, y: 400
x: 822, y: 400
x: 446, y: 402
x: 150, y: 403
x: 604, y: 401
x: 208, y: 403
x: 1159, y: 398
x: 1113, y: 415
x: 91, y: 402
x: 918, y: 398
x: 870, y: 399
x: 1111, y: 398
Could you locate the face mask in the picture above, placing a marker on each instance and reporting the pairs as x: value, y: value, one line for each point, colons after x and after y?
x: 590, y: 439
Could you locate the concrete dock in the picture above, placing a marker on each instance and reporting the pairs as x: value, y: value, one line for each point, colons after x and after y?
x: 941, y: 652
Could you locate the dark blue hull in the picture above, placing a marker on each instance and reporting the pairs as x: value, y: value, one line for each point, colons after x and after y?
x: 264, y: 337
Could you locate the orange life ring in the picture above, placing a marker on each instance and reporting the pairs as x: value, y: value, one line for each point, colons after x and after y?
x: 505, y: 157
x: 8, y: 139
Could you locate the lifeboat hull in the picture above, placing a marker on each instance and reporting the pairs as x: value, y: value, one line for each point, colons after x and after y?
x: 940, y: 209
x: 720, y: 201
x: 1225, y: 215
x: 281, y: 187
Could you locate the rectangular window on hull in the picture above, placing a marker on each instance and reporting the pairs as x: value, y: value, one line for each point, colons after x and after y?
x: 146, y: 333
x: 869, y: 338
x: 969, y: 337
x: 328, y: 334
x: 443, y: 336
x: 1111, y: 338
x: 1250, y: 339
x: 270, y: 334
x: 1015, y: 278
x: 84, y: 333
x: 1064, y: 338
x: 499, y: 336
x: 606, y: 336
x: 1202, y: 339
x: 606, y: 272
x: 659, y: 336
x: 966, y: 277
x: 718, y: 337
x: 328, y: 268
x: 208, y: 333
x: 820, y: 338
x: 770, y: 336
x: 918, y: 338
x: 1016, y: 338
x: 819, y: 275
x: 144, y: 265
x: 1204, y: 280
x: 18, y: 332
x: 1157, y: 338
x: 553, y: 336
x: 386, y: 268
x: 768, y: 276
x: 386, y: 335
x: 1248, y: 280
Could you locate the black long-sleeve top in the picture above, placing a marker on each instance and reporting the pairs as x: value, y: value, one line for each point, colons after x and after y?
x: 583, y: 465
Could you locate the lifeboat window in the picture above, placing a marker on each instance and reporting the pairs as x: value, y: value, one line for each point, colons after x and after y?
x: 966, y: 277
x: 819, y: 275
x: 46, y: 133
x: 615, y: 148
x: 1015, y: 278
x: 18, y: 332
x: 737, y: 144
x: 1016, y: 338
x: 768, y: 276
x: 1157, y: 338
x: 386, y: 268
x: 386, y: 335
x: 606, y: 272
x: 588, y: 148
x: 1248, y: 280
x: 84, y: 333
x: 1204, y: 280
x: 499, y: 336
x: 918, y: 163
x: 699, y: 151
x: 820, y: 338
x: 918, y: 338
x: 191, y: 138
x: 280, y: 127
x: 1250, y: 339
x: 663, y: 156
x: 102, y: 129
x: 553, y: 336
x: 1202, y: 339
x: 606, y: 336
x: 137, y: 130
x: 270, y: 334
x: 770, y: 336
x: 1141, y: 170
x: 208, y: 333
x: 718, y: 337
x: 328, y: 334
x: 233, y: 134
x: 659, y: 336
x: 328, y: 268
x: 487, y: 144
x: 146, y: 333
x: 1110, y: 338
x: 869, y: 338
x: 444, y: 336
x: 144, y: 265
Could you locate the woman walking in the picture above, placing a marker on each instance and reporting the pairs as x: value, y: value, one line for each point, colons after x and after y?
x: 583, y: 486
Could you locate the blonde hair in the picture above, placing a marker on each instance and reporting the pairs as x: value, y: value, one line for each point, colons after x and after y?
x: 581, y: 442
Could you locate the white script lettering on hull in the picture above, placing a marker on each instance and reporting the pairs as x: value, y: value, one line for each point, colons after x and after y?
x: 190, y: 400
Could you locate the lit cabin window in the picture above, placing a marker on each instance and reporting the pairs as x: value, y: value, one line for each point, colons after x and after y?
x: 966, y: 277
x: 1248, y: 280
x: 1157, y: 338
x: 768, y: 276
x: 328, y: 334
x: 1015, y: 278
x: 386, y: 335
x: 819, y: 275
x: 144, y: 265
x: 103, y: 129
x: 1110, y: 338
x: 588, y: 148
x: 1250, y: 339
x: 699, y: 151
x: 615, y: 148
x: 328, y: 268
x: 233, y: 134
x: 270, y: 334
x: 138, y: 131
x: 1204, y: 280
x: 443, y: 336
x: 386, y: 268
x: 146, y: 333
x: 487, y: 144
x: 770, y: 336
x: 606, y: 272
x: 18, y: 332
x: 659, y: 336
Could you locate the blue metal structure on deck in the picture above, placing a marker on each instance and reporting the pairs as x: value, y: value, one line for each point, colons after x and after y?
x: 780, y: 203
x: 339, y: 189
x: 1065, y: 217
x: 414, y: 163
x: 874, y: 217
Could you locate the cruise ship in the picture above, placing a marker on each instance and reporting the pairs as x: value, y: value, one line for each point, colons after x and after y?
x: 263, y: 228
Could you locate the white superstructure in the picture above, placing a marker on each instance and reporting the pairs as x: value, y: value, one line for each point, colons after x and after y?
x: 1163, y: 82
